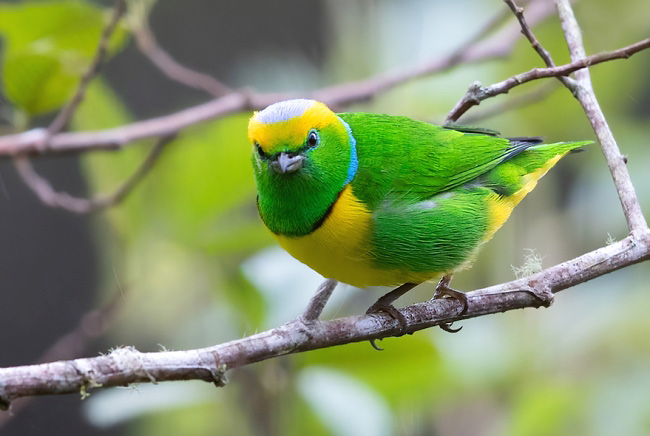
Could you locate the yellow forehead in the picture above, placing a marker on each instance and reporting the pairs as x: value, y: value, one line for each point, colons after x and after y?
x: 274, y: 130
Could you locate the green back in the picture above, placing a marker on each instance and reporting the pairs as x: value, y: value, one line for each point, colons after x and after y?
x: 404, y: 158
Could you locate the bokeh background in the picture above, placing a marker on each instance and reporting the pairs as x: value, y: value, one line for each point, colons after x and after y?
x: 185, y: 262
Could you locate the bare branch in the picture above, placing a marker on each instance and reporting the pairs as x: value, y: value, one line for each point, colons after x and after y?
x: 34, y: 141
x: 585, y: 94
x: 52, y: 198
x: 102, y: 50
x: 477, y: 93
x: 541, y: 93
x: 475, y: 50
x: 37, y: 141
x: 171, y: 68
x: 127, y: 365
x: 541, y: 51
x: 528, y: 33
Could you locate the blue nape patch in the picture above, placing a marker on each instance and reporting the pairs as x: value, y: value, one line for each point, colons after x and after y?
x: 354, y: 160
x: 284, y: 110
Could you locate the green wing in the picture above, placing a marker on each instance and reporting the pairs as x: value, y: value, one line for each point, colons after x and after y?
x: 430, y: 188
x: 403, y: 158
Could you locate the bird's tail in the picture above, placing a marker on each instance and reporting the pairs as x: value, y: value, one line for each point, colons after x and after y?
x: 537, y: 160
x: 514, y: 179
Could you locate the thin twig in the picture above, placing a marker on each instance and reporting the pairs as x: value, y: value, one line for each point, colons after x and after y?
x: 37, y: 141
x: 171, y: 68
x: 534, y: 42
x: 477, y: 93
x: 102, y: 50
x: 127, y: 365
x: 541, y: 93
x: 476, y: 49
x: 48, y: 195
x: 585, y: 94
x: 528, y: 33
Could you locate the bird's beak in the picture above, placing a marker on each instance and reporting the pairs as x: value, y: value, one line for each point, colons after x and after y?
x: 287, y: 163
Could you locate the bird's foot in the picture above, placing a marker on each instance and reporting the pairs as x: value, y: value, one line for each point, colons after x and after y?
x: 443, y: 290
x: 388, y: 308
x: 385, y: 304
x: 317, y: 303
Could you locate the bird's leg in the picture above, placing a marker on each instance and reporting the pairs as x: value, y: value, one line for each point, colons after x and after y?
x: 443, y: 290
x: 318, y: 301
x: 385, y: 304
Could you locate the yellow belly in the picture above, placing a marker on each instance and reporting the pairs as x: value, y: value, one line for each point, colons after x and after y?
x: 340, y: 247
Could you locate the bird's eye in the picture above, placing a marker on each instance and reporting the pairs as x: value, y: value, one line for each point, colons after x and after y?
x: 260, y: 152
x: 312, y: 139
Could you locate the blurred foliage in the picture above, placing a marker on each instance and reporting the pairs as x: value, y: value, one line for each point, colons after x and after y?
x: 47, y: 47
x: 175, y: 246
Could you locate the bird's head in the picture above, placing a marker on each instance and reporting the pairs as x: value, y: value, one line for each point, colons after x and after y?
x: 301, y: 140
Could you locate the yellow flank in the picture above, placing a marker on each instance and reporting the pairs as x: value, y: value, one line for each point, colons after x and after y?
x: 499, y: 210
x: 339, y: 248
x: 501, y: 207
x: 276, y: 136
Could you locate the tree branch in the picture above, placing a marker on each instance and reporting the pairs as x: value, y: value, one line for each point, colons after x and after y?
x: 587, y: 98
x: 126, y: 365
x: 477, y: 93
x: 102, y: 50
x: 541, y: 51
x: 49, y: 196
x: 171, y: 68
x: 513, y: 103
x: 37, y: 141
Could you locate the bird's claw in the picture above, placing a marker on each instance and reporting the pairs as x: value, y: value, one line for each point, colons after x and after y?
x: 391, y: 310
x: 446, y: 326
x: 443, y: 290
x: 374, y: 345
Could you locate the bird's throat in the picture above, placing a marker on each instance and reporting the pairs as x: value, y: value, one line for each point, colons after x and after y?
x: 296, y: 209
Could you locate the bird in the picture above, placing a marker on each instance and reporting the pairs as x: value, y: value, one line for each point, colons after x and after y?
x: 384, y: 200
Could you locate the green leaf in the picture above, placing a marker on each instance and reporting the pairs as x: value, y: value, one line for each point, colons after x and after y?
x: 47, y: 47
x: 56, y: 26
x: 36, y: 83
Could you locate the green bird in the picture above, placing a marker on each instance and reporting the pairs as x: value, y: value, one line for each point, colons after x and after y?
x: 381, y: 200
